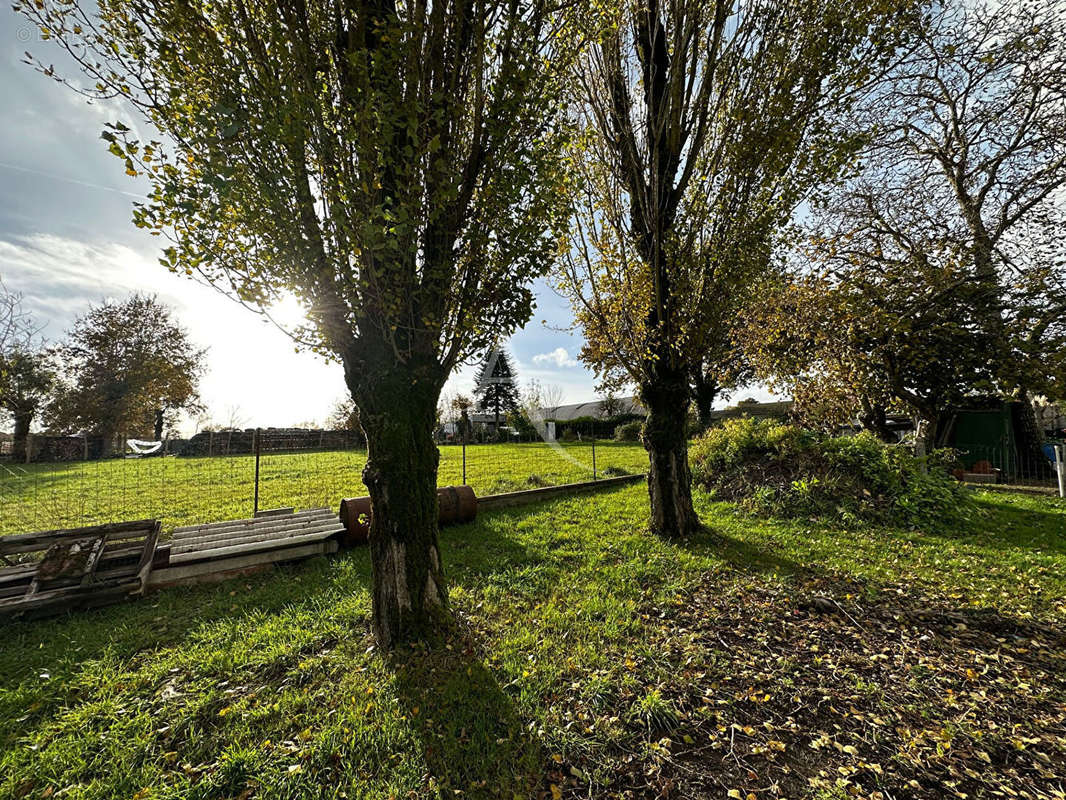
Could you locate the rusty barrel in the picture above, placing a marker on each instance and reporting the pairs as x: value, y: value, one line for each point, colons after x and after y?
x: 455, y: 503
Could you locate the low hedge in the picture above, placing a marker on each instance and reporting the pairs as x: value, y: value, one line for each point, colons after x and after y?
x: 776, y: 469
x: 599, y: 427
x: 629, y: 431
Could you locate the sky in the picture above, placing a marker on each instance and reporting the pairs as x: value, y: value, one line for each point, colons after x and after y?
x: 67, y: 243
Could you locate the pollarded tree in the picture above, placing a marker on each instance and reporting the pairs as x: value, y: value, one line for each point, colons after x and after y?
x: 496, y: 387
x: 388, y: 163
x: 126, y: 366
x: 704, y: 122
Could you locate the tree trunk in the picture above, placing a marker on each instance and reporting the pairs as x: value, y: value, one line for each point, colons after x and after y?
x: 669, y: 478
x: 107, y: 442
x: 21, y: 434
x: 409, y: 594
x: 874, y: 418
x: 704, y: 392
x: 158, y: 431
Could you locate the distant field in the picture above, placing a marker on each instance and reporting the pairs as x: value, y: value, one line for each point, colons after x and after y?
x: 183, y: 491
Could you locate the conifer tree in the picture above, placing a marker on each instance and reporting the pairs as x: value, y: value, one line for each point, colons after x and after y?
x: 497, y: 389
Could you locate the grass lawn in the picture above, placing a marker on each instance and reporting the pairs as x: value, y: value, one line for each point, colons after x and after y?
x: 186, y: 491
x: 760, y: 659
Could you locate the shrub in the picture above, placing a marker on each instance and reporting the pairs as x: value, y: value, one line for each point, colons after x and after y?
x: 777, y: 469
x: 597, y: 427
x: 628, y: 431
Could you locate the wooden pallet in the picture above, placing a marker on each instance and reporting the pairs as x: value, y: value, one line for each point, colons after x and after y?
x: 237, y: 545
x: 52, y: 571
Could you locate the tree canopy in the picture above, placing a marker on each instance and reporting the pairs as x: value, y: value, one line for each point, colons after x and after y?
x: 390, y: 164
x: 937, y: 279
x: 702, y: 126
x: 125, y: 367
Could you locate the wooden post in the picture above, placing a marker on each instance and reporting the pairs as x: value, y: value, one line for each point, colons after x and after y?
x: 1060, y: 468
x: 255, y: 443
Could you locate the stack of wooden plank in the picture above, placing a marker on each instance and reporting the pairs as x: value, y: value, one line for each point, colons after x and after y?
x: 75, y: 568
x: 219, y: 548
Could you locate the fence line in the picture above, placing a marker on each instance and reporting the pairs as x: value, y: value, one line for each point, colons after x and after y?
x: 271, y: 473
x: 1010, y: 465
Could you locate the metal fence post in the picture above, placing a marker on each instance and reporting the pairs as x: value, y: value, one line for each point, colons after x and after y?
x: 255, y: 502
x: 1060, y: 468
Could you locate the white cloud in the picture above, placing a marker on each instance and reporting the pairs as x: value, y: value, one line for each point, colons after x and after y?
x: 251, y: 364
x: 559, y: 357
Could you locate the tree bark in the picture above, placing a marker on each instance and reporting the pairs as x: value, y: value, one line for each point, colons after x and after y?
x: 874, y: 418
x: 669, y: 478
x: 21, y: 434
x: 107, y: 441
x: 158, y: 430
x: 410, y: 596
x: 704, y: 392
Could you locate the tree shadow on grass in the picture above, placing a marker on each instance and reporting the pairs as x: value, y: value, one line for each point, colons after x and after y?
x: 168, y: 616
x: 473, y: 740
x: 1009, y: 527
x: 741, y: 554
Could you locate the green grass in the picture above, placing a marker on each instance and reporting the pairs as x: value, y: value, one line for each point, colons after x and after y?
x: 589, y: 659
x: 185, y: 491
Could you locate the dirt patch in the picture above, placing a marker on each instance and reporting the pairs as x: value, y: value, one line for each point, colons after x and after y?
x: 814, y: 688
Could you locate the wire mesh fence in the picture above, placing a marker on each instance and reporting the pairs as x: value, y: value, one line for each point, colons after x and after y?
x: 1009, y: 465
x: 235, y: 475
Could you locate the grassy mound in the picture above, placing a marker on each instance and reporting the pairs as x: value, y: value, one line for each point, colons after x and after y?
x: 780, y: 470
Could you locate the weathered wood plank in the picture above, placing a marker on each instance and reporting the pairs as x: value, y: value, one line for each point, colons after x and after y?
x: 169, y: 575
x: 261, y: 531
x: 272, y: 532
x: 249, y: 547
x: 275, y: 512
x: 230, y: 539
x: 43, y: 539
x: 311, y: 513
x: 65, y: 597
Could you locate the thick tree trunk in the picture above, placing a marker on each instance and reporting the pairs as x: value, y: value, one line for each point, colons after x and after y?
x: 669, y: 478
x: 704, y: 392
x: 409, y: 594
x: 21, y: 435
x: 107, y: 442
x: 158, y: 430
x: 874, y: 419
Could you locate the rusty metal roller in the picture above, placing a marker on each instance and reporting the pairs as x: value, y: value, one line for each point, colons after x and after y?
x: 456, y: 504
